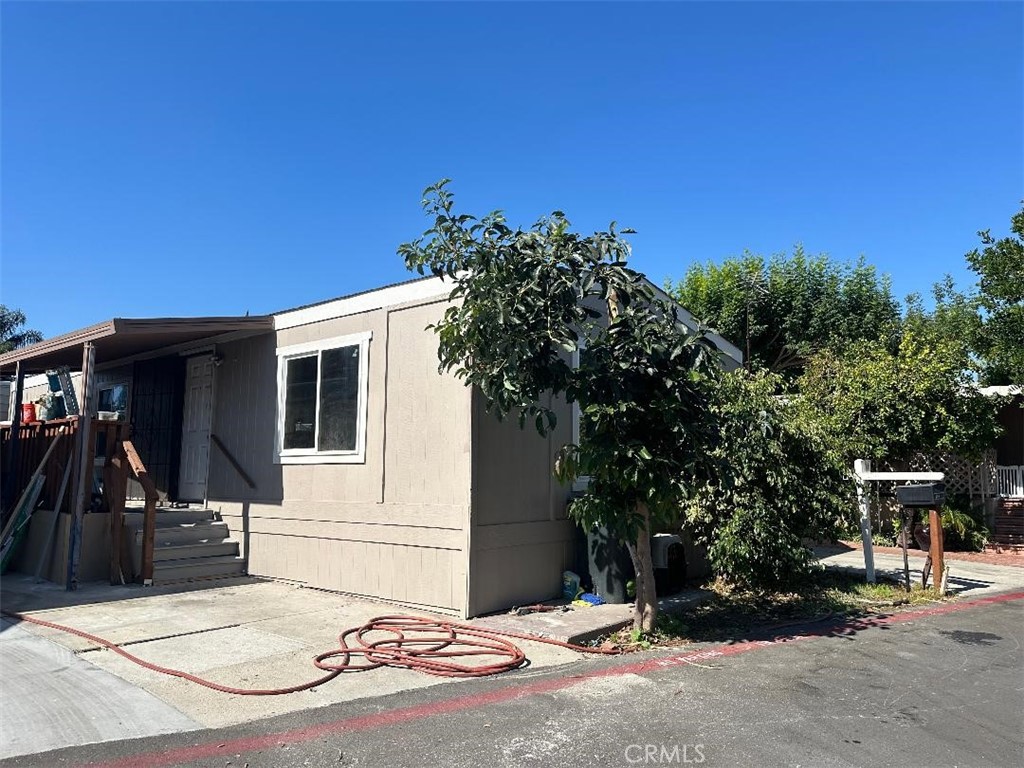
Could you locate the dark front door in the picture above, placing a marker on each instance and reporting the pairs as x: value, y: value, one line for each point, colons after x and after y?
x: 156, y: 419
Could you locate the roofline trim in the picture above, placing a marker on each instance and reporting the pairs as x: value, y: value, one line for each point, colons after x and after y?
x: 128, y: 326
x: 727, y: 347
x: 392, y: 295
x: 74, y: 338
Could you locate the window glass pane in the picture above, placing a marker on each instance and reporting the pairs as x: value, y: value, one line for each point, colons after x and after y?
x: 300, y: 403
x: 114, y: 398
x: 339, y: 399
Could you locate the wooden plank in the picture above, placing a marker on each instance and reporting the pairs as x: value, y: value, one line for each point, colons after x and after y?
x: 139, y: 470
x: 83, y: 473
x: 48, y: 544
x: 936, y: 548
x: 115, y: 487
x: 148, y: 536
x: 149, y: 513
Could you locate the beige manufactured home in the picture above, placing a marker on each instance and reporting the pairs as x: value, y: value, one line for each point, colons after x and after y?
x: 337, y: 455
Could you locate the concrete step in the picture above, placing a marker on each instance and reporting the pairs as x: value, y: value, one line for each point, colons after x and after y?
x: 169, y: 518
x: 195, y: 551
x: 192, y: 569
x: 186, y: 534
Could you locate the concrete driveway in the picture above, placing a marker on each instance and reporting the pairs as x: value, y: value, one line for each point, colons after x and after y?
x: 51, y: 698
x: 935, y: 687
x: 244, y: 633
x: 61, y: 690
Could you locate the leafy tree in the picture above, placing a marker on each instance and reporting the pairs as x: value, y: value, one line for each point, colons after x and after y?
x: 783, y: 310
x: 999, y: 265
x: 523, y: 302
x: 955, y: 318
x: 885, y: 405
x: 13, y: 334
x: 779, y: 482
x: 988, y: 318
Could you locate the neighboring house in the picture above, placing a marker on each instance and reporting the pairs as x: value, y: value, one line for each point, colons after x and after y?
x: 1007, y: 516
x: 327, y: 441
x: 1009, y: 447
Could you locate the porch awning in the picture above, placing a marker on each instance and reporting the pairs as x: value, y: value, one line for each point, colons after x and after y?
x: 122, y: 338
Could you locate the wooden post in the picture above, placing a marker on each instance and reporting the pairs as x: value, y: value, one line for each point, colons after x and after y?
x: 48, y: 545
x: 11, y: 465
x: 83, y: 474
x: 907, y: 523
x: 115, y: 486
x: 149, y: 515
x: 936, y: 549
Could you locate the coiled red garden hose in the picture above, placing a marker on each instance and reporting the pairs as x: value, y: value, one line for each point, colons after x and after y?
x: 410, y: 642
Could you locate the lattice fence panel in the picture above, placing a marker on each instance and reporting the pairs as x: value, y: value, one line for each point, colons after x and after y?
x: 976, y: 479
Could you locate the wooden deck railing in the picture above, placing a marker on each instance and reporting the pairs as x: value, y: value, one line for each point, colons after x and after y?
x: 34, y: 441
x: 137, y: 468
x: 107, y: 439
x: 36, y: 438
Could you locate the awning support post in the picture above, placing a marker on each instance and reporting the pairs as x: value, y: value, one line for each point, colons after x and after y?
x: 11, y: 465
x: 83, y: 473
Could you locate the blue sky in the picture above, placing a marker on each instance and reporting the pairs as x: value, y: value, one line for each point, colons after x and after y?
x: 216, y: 158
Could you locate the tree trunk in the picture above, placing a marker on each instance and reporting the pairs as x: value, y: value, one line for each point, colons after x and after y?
x: 646, y: 610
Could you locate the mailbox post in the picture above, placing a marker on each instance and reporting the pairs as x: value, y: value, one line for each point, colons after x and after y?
x: 863, y: 475
x: 928, y: 496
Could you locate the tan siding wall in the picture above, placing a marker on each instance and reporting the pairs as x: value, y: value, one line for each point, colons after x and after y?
x: 428, y: 417
x: 245, y: 396
x: 392, y: 527
x: 520, y: 540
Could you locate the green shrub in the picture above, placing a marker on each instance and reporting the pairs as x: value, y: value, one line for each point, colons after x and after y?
x: 963, y: 526
x: 777, y: 482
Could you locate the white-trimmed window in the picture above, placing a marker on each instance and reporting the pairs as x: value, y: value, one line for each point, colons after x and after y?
x: 321, y: 401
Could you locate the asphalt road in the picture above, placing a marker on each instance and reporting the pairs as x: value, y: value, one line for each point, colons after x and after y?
x: 943, y: 689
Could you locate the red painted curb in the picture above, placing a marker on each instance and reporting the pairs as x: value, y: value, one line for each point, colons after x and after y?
x: 420, y: 711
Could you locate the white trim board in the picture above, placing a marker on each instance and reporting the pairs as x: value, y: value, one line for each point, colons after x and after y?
x: 934, y: 477
x: 417, y: 290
